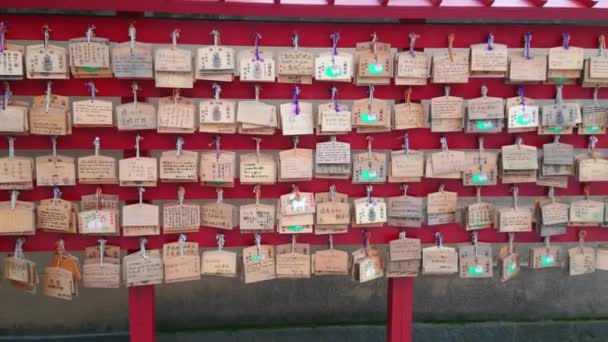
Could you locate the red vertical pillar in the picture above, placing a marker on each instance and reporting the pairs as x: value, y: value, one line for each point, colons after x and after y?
x: 142, y: 324
x: 400, y: 306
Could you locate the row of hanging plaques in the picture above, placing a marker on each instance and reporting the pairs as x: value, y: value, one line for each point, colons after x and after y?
x: 103, y: 266
x: 373, y: 62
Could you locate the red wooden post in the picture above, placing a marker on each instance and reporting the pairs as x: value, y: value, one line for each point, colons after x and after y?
x: 142, y: 323
x: 400, y: 305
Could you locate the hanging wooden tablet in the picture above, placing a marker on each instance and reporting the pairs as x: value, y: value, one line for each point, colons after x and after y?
x: 93, y: 112
x: 258, y: 262
x: 13, y: 114
x: 482, y: 167
x: 179, y: 165
x: 451, y: 67
x: 181, y: 217
x: 333, y: 118
x: 587, y: 212
x: 332, y: 159
x: 439, y: 260
x: 49, y: 114
x: 219, y: 214
x: 255, y: 117
x: 61, y: 278
x: 334, y: 66
x: 408, y: 115
x: 55, y: 170
x: 57, y: 215
x: 333, y: 212
x: 565, y: 62
x: 522, y: 114
x: 101, y: 267
x: 137, y: 171
x: 558, y: 159
x: 215, y: 62
x: 144, y: 267
x: 218, y: 168
x: 374, y: 62
x: 99, y: 214
x: 295, y: 164
x: 11, y: 57
x: 176, y: 114
x: 97, y: 169
x: 19, y: 271
x: 560, y: 117
x: 371, y: 112
x: 296, y: 116
x: 447, y: 113
x: 132, y: 59
x: 447, y: 163
x: 405, y: 256
x: 519, y: 163
x: 545, y: 257
x: 17, y: 217
x: 406, y: 165
x: 173, y: 66
x: 90, y: 56
x: 135, y: 115
x: 475, y: 261
x: 293, y: 260
x: 591, y: 166
x: 479, y: 215
x: 369, y: 212
x: 552, y: 216
x: 369, y: 167
x: 595, y: 68
x: 594, y: 117
x: 45, y: 61
x: 296, y: 212
x: 257, y: 217
x: 18, y: 172
x: 581, y: 258
x: 368, y: 263
x: 219, y: 262
x: 601, y: 257
x: 140, y: 219
x: 485, y: 114
x: 413, y: 67
x: 296, y: 65
x: 181, y: 261
x: 441, y: 207
x: 489, y: 59
x: 525, y: 67
x: 509, y: 263
x: 257, y: 65
x: 405, y: 210
x: 217, y: 115
x: 514, y: 219
x: 257, y: 168
x: 330, y: 261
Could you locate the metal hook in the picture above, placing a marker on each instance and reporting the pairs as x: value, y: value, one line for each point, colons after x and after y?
x: 219, y: 238
x: 142, y: 247
x: 179, y: 145
x: 220, y: 195
x: 132, y: 35
x: 216, y: 37
x: 138, y: 138
x: 295, y: 40
x: 174, y: 37
x: 141, y: 191
x: 90, y: 33
x: 181, y: 194
x: 97, y: 145
x: 217, y: 89
x: 134, y: 90
x: 181, y: 242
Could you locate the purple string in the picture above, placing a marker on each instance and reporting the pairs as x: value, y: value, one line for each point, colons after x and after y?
x: 3, y: 27
x: 334, y: 99
x: 520, y: 92
x: 6, y: 96
x: 92, y: 89
x: 566, y: 38
x: 365, y: 237
x: 527, y: 40
x: 257, y: 47
x: 335, y: 37
x: 490, y: 42
x: 413, y: 38
x: 45, y: 31
x: 294, y: 100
